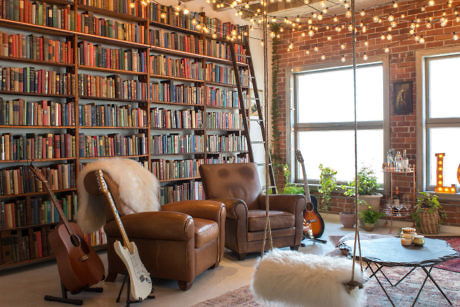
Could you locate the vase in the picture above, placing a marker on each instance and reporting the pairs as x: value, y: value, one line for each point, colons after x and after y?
x: 370, y: 200
x: 347, y: 219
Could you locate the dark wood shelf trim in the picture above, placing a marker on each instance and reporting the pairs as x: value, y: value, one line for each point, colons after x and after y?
x: 35, y: 94
x: 221, y: 108
x: 119, y: 156
x: 221, y: 84
x: 225, y: 152
x: 37, y: 160
x: 112, y: 127
x: 169, y: 103
x: 174, y: 28
x: 111, y: 70
x: 189, y: 129
x: 111, y: 41
x: 224, y: 129
x: 37, y: 193
x: 177, y: 154
x: 31, y: 61
x: 110, y: 13
x: 179, y: 179
x: 28, y: 226
x: 36, y: 127
x: 35, y: 28
x: 62, y: 2
x: 155, y: 76
x: 112, y: 99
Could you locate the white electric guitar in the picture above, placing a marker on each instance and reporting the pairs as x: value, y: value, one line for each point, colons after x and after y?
x: 141, y: 284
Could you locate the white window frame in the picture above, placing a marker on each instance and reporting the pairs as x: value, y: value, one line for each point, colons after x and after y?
x: 423, y: 121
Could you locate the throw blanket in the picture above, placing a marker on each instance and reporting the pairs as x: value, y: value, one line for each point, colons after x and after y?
x: 138, y: 190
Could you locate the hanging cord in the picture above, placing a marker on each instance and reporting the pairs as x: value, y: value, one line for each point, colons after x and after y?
x: 352, y: 283
x: 268, y: 227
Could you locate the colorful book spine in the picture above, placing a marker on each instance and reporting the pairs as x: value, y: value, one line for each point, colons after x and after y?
x: 177, y: 144
x: 113, y: 87
x: 192, y: 190
x: 133, y: 8
x: 220, y: 97
x: 176, y: 169
x: 163, y: 65
x: 223, y: 120
x: 169, y: 91
x: 111, y: 115
x: 176, y: 119
x: 223, y: 143
x: 112, y: 145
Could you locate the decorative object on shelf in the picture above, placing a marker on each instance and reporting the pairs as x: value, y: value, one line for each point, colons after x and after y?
x: 327, y: 185
x: 367, y: 189
x: 402, y: 99
x: 369, y: 218
x: 428, y: 213
x: 347, y: 219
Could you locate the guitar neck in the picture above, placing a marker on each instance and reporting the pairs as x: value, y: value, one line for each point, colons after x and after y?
x: 305, y: 183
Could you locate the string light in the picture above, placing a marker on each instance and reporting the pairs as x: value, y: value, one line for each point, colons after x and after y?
x: 343, y: 59
x: 365, y: 58
x: 455, y: 38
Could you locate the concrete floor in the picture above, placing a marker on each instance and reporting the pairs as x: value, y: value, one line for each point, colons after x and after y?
x: 27, y: 286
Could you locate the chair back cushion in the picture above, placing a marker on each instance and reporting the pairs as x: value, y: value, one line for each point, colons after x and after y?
x: 231, y: 181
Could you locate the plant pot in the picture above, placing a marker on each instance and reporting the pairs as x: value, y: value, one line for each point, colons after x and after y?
x: 429, y: 221
x: 367, y: 226
x: 347, y: 219
x: 370, y: 200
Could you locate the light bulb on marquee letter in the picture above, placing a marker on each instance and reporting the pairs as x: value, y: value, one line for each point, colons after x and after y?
x: 440, y: 188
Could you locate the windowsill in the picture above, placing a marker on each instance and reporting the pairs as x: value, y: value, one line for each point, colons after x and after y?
x: 446, y: 196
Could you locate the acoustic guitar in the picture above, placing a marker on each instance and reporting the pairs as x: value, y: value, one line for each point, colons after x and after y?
x: 312, y: 218
x: 78, y: 264
x: 141, y: 284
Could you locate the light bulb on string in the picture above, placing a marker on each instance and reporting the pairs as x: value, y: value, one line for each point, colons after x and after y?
x: 395, y: 4
x: 387, y: 50
x: 323, y: 57
x: 342, y: 46
x: 362, y: 13
x: 365, y: 57
x: 343, y: 59
x: 431, y: 2
x: 455, y: 37
x: 422, y: 40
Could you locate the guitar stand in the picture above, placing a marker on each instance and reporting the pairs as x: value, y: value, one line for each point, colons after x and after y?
x: 127, y: 281
x: 312, y: 239
x: 64, y: 299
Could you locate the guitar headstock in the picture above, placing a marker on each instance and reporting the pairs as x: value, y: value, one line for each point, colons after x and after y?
x: 37, y: 173
x: 298, y: 156
x: 101, y: 181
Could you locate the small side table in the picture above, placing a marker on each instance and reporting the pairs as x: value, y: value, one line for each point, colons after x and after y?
x: 388, y: 252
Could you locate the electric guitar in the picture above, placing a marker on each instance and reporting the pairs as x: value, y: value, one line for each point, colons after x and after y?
x: 78, y: 264
x: 141, y: 284
x: 312, y: 218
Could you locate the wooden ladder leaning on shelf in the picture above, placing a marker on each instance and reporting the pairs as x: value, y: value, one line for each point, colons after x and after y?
x: 259, y: 119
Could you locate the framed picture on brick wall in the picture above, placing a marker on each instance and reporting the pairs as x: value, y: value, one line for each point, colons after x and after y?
x: 402, y: 100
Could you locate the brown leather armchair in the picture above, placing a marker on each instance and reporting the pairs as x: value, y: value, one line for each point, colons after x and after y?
x: 237, y: 186
x: 178, y: 243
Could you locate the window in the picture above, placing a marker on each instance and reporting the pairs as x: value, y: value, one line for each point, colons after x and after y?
x: 324, y: 127
x: 441, y: 118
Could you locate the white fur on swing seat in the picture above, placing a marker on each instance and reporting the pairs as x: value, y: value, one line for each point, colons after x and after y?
x: 290, y: 278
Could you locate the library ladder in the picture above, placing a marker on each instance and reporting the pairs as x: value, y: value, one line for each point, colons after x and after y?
x: 259, y: 118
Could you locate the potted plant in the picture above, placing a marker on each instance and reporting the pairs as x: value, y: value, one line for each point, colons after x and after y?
x: 367, y: 189
x: 290, y: 188
x: 327, y: 184
x: 369, y: 218
x: 428, y: 213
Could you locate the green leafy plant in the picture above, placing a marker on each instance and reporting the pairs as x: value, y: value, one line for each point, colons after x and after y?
x: 327, y: 185
x: 290, y: 188
x: 367, y: 183
x: 370, y: 216
x: 427, y: 201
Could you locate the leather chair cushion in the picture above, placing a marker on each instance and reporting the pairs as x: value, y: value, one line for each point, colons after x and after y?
x: 278, y: 220
x: 205, y: 231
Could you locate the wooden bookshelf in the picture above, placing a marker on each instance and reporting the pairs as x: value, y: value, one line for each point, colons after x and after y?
x: 75, y: 37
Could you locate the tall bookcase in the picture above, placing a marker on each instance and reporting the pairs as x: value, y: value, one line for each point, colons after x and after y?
x: 86, y: 79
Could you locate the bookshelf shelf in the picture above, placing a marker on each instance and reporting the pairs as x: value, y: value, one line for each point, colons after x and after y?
x: 177, y: 104
x: 62, y: 2
x: 154, y: 76
x: 221, y: 108
x: 35, y: 94
x: 31, y: 61
x: 177, y: 154
x: 37, y: 193
x: 27, y: 226
x: 179, y: 129
x: 109, y: 13
x: 110, y: 41
x: 174, y: 28
x: 180, y: 179
x: 111, y: 70
x: 35, y: 28
x: 36, y: 127
x: 37, y: 160
x: 221, y: 84
x: 111, y: 99
x: 133, y: 156
x: 113, y: 127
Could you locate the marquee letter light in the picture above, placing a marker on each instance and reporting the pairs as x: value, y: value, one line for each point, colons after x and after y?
x: 458, y: 173
x: 440, y: 188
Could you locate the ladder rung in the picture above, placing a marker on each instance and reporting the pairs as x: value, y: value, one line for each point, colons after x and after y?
x: 255, y: 120
x: 270, y: 187
x: 258, y: 142
x: 261, y: 164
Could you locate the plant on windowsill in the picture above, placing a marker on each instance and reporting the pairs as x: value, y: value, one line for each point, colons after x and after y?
x: 367, y: 189
x: 369, y: 218
x: 327, y: 185
x: 290, y: 188
x: 428, y: 213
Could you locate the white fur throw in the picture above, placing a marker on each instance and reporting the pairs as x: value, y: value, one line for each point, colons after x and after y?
x: 138, y: 188
x: 290, y: 278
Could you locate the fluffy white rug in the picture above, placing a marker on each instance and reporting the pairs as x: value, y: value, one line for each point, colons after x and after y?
x: 139, y: 191
x: 290, y: 278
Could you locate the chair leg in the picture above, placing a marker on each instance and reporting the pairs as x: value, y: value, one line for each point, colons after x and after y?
x: 111, y: 276
x: 184, y: 285
x: 241, y: 256
x: 295, y: 247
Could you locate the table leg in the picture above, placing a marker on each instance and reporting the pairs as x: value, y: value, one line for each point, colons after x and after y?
x: 404, y: 276
x: 380, y: 284
x: 423, y: 285
x: 428, y: 274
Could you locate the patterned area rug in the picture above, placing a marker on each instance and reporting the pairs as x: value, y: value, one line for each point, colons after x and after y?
x: 452, y: 264
x: 402, y: 295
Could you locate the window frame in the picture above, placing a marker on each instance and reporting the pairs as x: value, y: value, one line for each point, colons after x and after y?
x: 425, y: 123
x: 294, y: 127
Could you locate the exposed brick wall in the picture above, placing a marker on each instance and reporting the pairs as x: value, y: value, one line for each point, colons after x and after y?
x: 401, y: 57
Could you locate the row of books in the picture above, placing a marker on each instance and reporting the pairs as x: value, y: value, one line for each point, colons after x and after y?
x: 224, y: 143
x: 169, y: 91
x: 32, y: 146
x: 133, y: 8
x: 20, y: 180
x: 220, y: 97
x: 111, y: 87
x: 176, y: 119
x: 111, y: 115
x: 192, y: 190
x: 33, y: 47
x: 122, y: 30
x: 228, y: 159
x: 223, y: 120
x: 112, y: 145
x: 173, y: 67
x: 219, y: 73
x: 176, y: 169
x: 41, y: 81
x: 95, y: 55
x: 20, y: 112
x: 96, y: 238
x: 38, y: 13
x: 177, y: 144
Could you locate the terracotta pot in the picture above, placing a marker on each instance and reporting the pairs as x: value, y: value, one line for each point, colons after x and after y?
x: 347, y: 219
x: 370, y: 200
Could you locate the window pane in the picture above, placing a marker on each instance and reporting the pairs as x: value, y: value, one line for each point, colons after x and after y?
x: 327, y: 96
x: 335, y: 149
x: 444, y: 100
x: 444, y: 140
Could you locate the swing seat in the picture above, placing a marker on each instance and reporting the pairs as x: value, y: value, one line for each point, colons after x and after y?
x: 291, y: 278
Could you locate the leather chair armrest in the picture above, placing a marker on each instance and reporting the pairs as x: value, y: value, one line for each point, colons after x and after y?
x: 175, y: 226
x: 205, y: 209
x: 285, y: 202
x: 235, y: 207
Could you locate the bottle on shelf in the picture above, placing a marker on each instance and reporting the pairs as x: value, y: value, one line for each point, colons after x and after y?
x: 398, y: 161
x: 396, y: 201
x: 405, y: 161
